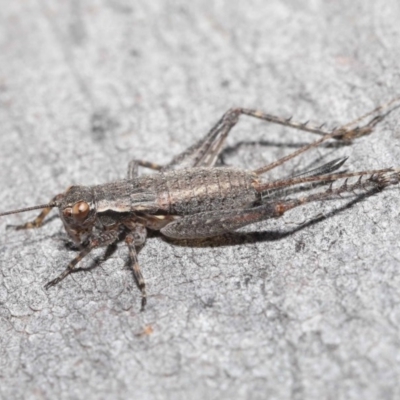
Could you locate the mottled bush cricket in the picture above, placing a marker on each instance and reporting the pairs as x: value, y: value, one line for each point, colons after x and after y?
x: 192, y: 198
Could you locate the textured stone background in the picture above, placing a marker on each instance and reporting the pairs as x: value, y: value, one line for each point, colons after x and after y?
x: 286, y: 311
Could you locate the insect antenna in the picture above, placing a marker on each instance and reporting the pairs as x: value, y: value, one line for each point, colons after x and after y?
x: 49, y: 205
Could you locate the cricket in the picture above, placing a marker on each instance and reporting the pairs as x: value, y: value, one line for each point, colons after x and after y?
x: 193, y: 198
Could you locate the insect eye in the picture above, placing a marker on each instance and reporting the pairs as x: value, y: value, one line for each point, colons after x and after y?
x: 80, y: 210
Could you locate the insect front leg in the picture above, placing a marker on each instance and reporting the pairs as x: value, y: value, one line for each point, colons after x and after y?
x: 38, y: 221
x: 134, y: 239
x: 103, y: 239
x: 133, y: 167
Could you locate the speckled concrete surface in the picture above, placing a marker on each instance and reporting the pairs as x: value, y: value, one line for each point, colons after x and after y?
x: 287, y: 310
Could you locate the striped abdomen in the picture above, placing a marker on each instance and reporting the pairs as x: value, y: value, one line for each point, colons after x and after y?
x: 190, y: 191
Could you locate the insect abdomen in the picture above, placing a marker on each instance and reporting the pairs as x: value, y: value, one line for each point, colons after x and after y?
x: 191, y: 191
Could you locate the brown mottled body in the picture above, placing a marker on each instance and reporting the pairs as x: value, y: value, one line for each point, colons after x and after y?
x: 196, y: 190
x: 191, y: 198
x: 180, y: 192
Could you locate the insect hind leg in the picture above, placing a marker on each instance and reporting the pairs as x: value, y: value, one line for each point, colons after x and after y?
x: 133, y: 167
x: 205, y: 152
x: 343, y: 133
x: 214, y: 223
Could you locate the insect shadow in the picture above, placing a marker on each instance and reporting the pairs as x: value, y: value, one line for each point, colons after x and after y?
x: 230, y: 150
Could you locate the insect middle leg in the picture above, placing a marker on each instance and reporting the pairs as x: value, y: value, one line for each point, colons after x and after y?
x: 133, y: 239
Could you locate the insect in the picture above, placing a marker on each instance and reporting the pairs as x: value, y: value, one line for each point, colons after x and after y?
x: 192, y: 198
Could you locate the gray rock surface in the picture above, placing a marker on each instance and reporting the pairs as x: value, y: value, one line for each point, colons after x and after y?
x: 284, y: 310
